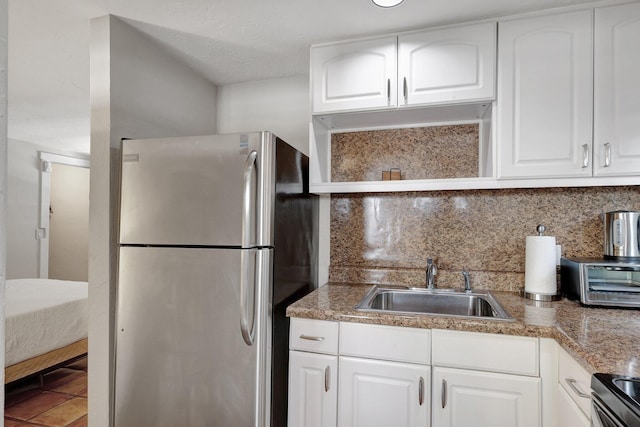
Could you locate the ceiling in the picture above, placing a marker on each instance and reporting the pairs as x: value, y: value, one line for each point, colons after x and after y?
x: 228, y: 41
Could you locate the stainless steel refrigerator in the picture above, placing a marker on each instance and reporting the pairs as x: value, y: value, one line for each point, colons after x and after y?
x: 217, y: 237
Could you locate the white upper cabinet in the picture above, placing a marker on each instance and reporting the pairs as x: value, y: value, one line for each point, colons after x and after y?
x: 441, y: 66
x: 447, y: 66
x: 545, y: 96
x: 617, y: 90
x: 358, y: 75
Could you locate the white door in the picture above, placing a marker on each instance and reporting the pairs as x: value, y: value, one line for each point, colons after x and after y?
x: 616, y: 90
x: 313, y: 389
x: 375, y: 393
x: 463, y: 398
x: 447, y: 66
x: 545, y: 86
x: 354, y: 75
x: 569, y: 414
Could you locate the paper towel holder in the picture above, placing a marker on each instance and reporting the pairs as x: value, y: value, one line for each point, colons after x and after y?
x: 536, y: 296
x: 542, y: 297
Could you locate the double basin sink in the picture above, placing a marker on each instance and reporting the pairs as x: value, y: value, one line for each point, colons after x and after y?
x: 443, y: 302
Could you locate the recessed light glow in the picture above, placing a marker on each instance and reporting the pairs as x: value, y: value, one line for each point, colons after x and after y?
x: 387, y: 3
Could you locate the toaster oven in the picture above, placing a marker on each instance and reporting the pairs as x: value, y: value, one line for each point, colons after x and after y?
x: 601, y: 282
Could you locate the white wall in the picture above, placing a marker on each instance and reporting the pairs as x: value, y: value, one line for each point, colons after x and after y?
x: 278, y: 105
x: 137, y: 91
x: 3, y: 180
x: 23, y: 209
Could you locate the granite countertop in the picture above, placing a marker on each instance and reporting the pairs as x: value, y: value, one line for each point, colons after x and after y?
x: 600, y: 339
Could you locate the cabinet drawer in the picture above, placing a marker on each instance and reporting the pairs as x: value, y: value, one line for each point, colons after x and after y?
x: 575, y: 380
x: 385, y: 342
x: 569, y: 414
x: 318, y: 336
x: 486, y: 352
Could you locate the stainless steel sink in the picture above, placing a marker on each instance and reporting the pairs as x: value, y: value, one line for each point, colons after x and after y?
x: 444, y: 302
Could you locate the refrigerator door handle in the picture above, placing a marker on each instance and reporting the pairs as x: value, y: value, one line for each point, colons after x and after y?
x: 248, y: 205
x: 248, y: 332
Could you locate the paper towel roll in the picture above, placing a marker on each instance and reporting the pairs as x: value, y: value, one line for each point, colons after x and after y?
x: 540, y: 265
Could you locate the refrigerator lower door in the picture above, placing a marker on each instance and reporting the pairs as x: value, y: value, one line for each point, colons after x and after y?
x: 181, y: 358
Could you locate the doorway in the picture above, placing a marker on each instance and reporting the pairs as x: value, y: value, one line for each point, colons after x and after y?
x: 64, y: 217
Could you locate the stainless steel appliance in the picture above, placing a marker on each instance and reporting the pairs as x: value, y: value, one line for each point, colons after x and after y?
x: 602, y: 282
x: 621, y: 234
x: 216, y: 239
x: 615, y: 401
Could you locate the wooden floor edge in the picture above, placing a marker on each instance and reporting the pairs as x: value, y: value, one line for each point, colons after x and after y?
x: 38, y: 363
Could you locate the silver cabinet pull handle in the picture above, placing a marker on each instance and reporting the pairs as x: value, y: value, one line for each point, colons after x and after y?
x: 389, y: 91
x: 311, y: 338
x: 585, y: 155
x: 421, y: 391
x: 607, y: 155
x: 576, y: 390
x: 405, y: 89
x: 444, y: 393
x: 327, y: 376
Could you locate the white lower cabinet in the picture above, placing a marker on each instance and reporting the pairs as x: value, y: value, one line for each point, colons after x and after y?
x: 313, y: 373
x: 313, y: 389
x: 569, y: 414
x: 376, y: 393
x: 574, y: 392
x: 348, y: 374
x: 466, y: 398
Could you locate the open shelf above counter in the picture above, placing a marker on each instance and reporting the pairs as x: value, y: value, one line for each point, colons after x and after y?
x: 444, y: 147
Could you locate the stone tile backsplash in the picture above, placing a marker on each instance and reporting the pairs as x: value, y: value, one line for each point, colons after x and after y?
x: 432, y: 152
x: 386, y: 238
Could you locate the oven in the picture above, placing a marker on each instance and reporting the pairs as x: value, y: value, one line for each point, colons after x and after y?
x: 615, y: 401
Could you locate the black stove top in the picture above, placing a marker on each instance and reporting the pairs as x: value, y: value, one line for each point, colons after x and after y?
x: 621, y: 394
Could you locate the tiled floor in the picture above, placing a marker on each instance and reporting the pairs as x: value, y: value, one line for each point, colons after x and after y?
x: 61, y: 400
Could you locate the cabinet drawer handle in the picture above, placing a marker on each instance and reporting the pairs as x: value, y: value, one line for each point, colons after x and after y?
x: 311, y: 338
x: 405, y: 89
x: 607, y: 155
x: 327, y: 376
x: 389, y: 91
x: 444, y: 393
x: 585, y: 155
x: 576, y: 390
x: 421, y: 391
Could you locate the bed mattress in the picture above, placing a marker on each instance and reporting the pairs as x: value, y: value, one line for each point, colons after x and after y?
x: 42, y: 315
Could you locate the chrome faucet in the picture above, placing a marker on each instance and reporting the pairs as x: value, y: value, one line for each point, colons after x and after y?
x: 467, y: 282
x: 432, y: 270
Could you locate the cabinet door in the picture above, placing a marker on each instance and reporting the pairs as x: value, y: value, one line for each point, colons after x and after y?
x: 568, y: 412
x: 464, y: 398
x: 545, y: 88
x: 313, y: 389
x: 354, y: 75
x: 376, y: 393
x: 616, y: 90
x: 447, y: 66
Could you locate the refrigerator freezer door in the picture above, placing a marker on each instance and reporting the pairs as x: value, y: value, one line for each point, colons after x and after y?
x: 181, y: 359
x: 201, y: 191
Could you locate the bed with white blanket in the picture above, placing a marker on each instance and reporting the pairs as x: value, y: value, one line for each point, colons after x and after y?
x: 45, y: 324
